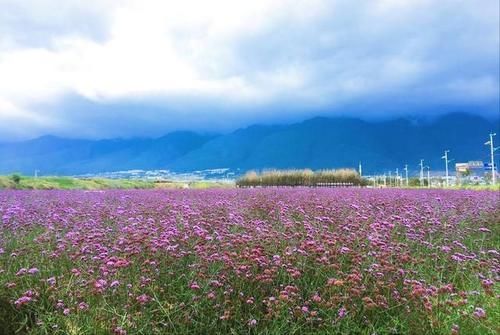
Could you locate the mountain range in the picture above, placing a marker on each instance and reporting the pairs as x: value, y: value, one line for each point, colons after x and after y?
x: 316, y: 143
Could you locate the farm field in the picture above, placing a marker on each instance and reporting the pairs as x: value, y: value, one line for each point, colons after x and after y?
x: 250, y: 261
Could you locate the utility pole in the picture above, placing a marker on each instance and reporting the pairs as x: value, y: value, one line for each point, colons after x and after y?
x: 390, y: 178
x: 492, y: 153
x: 397, y: 177
x: 406, y: 174
x: 421, y: 172
x: 36, y: 173
x: 445, y: 157
x: 360, y: 170
x: 428, y: 176
x: 385, y: 180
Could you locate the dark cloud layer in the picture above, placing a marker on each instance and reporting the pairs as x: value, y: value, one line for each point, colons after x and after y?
x: 96, y: 69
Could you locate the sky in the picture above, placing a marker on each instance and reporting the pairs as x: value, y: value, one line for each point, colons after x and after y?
x: 102, y: 68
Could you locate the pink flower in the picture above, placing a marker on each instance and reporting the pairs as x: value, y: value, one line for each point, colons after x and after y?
x: 252, y: 323
x: 66, y: 311
x: 83, y: 306
x: 344, y: 250
x: 194, y: 286
x: 277, y: 259
x: 21, y: 272
x: 487, y: 283
x: 31, y: 293
x: 216, y: 283
x: 60, y: 304
x: 26, y: 298
x: 121, y: 263
x: 316, y: 298
x: 22, y: 301
x: 479, y: 313
x: 33, y: 271
x: 51, y: 281
x: 445, y: 248
x: 119, y: 331
x: 143, y: 299
x: 100, y: 285
x: 114, y: 283
x: 342, y: 313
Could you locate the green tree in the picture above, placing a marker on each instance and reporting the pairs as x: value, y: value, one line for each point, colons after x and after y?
x: 16, y: 178
x: 466, y: 173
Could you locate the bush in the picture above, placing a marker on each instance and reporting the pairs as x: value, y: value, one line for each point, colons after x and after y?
x: 16, y: 178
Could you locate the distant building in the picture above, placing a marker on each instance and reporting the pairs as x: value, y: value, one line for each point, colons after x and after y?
x: 476, y: 168
x: 462, y: 169
x: 472, y: 170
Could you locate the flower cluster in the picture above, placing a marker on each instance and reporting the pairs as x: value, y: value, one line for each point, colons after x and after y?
x: 243, y: 260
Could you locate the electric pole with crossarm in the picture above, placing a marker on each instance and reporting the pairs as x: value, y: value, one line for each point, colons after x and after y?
x: 492, y: 152
x: 445, y: 157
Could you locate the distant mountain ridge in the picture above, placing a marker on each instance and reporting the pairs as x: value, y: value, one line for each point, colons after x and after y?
x: 315, y: 143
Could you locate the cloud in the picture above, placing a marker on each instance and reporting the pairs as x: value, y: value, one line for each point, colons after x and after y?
x: 229, y: 63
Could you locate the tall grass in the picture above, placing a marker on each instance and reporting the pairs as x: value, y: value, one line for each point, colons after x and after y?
x: 304, y: 177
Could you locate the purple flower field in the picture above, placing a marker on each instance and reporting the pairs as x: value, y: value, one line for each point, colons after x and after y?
x: 239, y: 261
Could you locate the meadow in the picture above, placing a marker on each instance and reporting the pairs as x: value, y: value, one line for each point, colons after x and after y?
x: 250, y: 261
x: 72, y: 183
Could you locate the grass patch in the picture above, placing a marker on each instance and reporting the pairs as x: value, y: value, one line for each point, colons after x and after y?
x: 70, y: 183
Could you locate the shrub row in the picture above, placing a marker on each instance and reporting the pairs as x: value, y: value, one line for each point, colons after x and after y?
x: 305, y: 177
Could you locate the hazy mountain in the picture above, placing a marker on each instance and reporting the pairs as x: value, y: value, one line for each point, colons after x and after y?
x: 315, y: 143
x: 53, y: 155
x: 344, y: 142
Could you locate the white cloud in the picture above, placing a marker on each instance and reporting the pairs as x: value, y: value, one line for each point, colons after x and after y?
x: 259, y: 53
